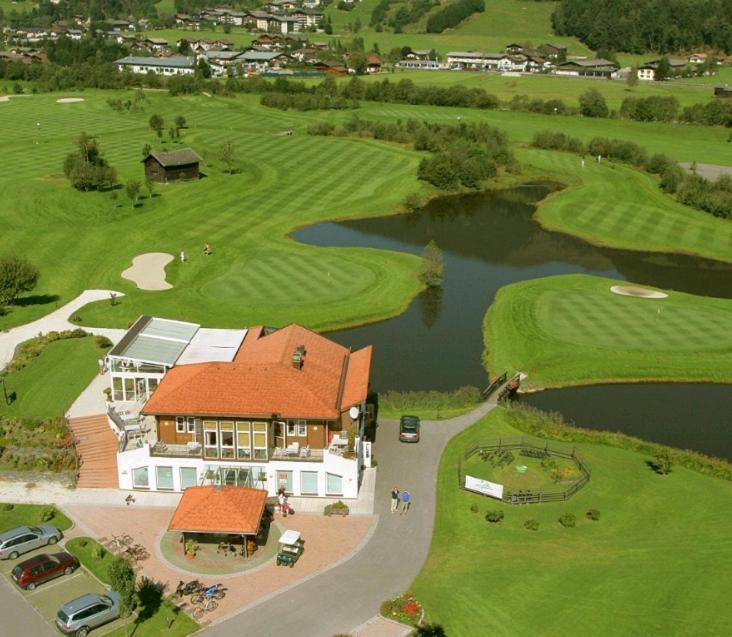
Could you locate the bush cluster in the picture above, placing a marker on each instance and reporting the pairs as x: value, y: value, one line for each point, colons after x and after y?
x: 494, y: 517
x: 531, y: 525
x: 405, y: 608
x: 568, y: 520
x: 593, y: 514
x: 307, y: 102
x: 407, y: 401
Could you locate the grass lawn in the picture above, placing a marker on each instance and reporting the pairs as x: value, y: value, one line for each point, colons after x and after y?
x: 611, y: 204
x: 256, y: 274
x: 659, y: 553
x: 83, y: 549
x: 571, y: 330
x: 30, y: 514
x: 47, y: 386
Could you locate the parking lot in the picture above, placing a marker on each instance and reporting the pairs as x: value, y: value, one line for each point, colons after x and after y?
x: 49, y: 597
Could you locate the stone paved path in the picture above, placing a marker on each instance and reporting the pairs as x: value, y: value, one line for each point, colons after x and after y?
x: 57, y: 320
x: 349, y: 595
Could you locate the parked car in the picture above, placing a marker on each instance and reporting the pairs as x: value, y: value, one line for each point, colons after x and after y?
x: 409, y: 429
x: 43, y: 567
x: 26, y: 538
x: 80, y: 615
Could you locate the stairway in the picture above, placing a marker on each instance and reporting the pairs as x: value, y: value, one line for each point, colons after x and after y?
x: 97, y: 449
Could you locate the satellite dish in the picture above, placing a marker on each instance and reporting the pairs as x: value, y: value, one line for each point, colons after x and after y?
x: 353, y: 413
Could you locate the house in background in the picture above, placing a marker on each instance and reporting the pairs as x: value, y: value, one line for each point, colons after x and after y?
x: 173, y: 166
x: 723, y: 92
x: 588, y: 68
x: 261, y: 408
x: 174, y: 65
x: 373, y: 64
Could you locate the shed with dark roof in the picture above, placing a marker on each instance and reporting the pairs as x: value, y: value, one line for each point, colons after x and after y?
x: 178, y: 164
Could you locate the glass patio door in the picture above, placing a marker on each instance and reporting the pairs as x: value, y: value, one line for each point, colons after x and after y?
x: 279, y: 434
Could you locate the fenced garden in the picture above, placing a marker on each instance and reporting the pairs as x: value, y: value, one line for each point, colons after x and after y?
x: 523, y: 470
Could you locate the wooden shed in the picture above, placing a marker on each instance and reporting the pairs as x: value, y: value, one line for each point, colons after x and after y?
x: 178, y: 164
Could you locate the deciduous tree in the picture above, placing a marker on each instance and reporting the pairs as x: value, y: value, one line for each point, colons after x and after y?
x: 17, y: 275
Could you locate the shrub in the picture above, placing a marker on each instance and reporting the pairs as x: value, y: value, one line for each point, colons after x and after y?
x: 102, y: 341
x: 567, y: 520
x: 335, y: 507
x: 98, y: 552
x: 593, y: 514
x: 404, y: 608
x: 494, y: 517
x: 474, y: 508
x: 662, y: 462
x: 8, y: 507
x: 532, y: 525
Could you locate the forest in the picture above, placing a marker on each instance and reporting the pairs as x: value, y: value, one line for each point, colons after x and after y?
x: 639, y: 26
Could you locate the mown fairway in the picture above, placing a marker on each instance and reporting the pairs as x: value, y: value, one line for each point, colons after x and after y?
x: 658, y: 562
x: 614, y: 205
x: 84, y: 240
x: 572, y: 330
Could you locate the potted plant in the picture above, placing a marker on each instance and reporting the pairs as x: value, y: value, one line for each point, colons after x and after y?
x: 191, y: 548
x: 337, y: 508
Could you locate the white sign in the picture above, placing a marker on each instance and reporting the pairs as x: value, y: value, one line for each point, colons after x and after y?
x: 483, y: 486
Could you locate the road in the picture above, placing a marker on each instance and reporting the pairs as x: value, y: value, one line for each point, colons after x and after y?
x: 19, y: 618
x: 340, y: 599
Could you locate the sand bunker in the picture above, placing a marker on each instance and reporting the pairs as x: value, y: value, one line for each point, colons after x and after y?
x: 69, y: 100
x: 642, y: 293
x: 148, y: 271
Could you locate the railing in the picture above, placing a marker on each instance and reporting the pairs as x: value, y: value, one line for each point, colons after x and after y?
x: 494, y: 385
x: 303, y: 455
x: 545, y: 447
x: 165, y: 450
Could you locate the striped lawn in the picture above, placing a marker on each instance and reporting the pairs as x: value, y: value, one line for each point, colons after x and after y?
x: 257, y: 274
x: 571, y: 330
x: 614, y: 205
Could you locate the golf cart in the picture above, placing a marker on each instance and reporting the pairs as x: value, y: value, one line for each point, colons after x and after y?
x: 291, y: 547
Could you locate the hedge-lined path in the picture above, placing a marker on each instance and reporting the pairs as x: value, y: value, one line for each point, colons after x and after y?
x: 55, y: 321
x: 387, y: 565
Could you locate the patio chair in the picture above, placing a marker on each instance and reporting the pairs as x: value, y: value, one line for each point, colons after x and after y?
x: 305, y: 452
x: 293, y: 449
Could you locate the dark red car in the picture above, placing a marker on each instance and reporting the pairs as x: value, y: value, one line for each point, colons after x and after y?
x: 42, y: 568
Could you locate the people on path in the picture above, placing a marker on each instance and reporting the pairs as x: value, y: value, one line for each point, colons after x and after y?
x: 282, y: 499
x: 394, y: 499
x: 182, y: 256
x: 406, y: 501
x: 206, y: 249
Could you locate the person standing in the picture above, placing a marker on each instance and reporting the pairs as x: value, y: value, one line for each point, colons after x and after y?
x: 394, y: 499
x: 406, y: 502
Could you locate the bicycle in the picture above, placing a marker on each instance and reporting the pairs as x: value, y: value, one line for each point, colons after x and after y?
x: 187, y: 588
x: 212, y: 592
x: 208, y: 605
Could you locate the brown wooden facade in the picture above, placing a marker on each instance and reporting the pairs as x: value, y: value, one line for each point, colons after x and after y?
x: 155, y: 171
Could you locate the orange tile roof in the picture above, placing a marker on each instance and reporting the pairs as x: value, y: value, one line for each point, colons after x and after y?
x: 219, y: 510
x: 262, y: 381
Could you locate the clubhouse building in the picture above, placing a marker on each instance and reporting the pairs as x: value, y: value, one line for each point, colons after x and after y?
x: 261, y: 407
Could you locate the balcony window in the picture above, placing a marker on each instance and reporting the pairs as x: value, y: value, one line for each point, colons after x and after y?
x: 180, y: 425
x: 333, y: 484
x: 210, y: 439
x: 227, y: 439
x: 191, y: 421
x: 260, y: 440
x: 117, y: 388
x: 297, y: 428
x: 164, y: 478
x: 284, y: 481
x: 243, y: 441
x: 141, y: 478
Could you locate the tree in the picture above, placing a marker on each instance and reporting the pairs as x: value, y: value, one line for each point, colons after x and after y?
x: 132, y: 188
x: 122, y: 580
x: 157, y: 123
x: 180, y: 122
x: 663, y: 70
x: 632, y: 80
x: 150, y: 187
x: 146, y: 150
x: 430, y: 630
x: 328, y: 26
x: 592, y: 104
x: 430, y: 271
x: 227, y: 154
x: 17, y: 275
x: 87, y: 169
x: 357, y: 25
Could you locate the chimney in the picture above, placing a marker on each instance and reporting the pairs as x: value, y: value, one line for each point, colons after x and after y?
x: 298, y: 357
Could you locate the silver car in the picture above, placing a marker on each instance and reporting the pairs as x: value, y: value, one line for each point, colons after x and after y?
x: 26, y: 538
x: 82, y: 614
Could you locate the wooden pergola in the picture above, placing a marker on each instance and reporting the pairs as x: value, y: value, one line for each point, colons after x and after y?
x: 213, y: 510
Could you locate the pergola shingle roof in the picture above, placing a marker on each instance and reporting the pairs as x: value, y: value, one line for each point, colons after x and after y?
x: 182, y: 157
x: 235, y: 510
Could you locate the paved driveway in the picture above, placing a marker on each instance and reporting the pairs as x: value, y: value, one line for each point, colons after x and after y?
x: 350, y: 594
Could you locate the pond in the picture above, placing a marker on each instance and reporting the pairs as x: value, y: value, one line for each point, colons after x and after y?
x: 488, y: 240
x: 687, y: 416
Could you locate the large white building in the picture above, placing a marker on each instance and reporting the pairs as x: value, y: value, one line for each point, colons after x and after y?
x: 175, y: 65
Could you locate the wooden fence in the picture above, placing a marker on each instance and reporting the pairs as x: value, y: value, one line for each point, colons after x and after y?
x: 545, y: 448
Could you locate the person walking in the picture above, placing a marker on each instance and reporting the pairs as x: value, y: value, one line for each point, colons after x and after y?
x: 394, y: 499
x: 406, y: 501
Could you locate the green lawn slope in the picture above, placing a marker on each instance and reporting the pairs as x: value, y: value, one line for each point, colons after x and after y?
x: 256, y: 274
x: 47, y: 386
x: 658, y: 562
x: 572, y: 330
